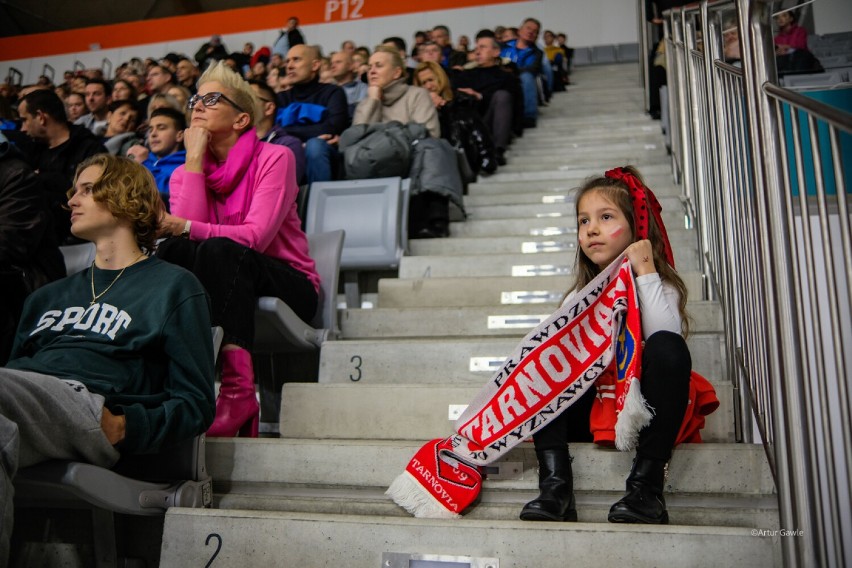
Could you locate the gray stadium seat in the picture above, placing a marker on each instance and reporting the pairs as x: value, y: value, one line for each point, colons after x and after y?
x: 603, y: 54
x: 836, y: 61
x: 627, y: 52
x: 813, y: 80
x: 371, y: 213
x: 278, y: 329
x: 142, y: 485
x: 284, y: 341
x: 77, y: 257
x: 582, y: 56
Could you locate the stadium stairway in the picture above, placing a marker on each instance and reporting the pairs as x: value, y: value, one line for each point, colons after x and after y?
x: 402, y: 371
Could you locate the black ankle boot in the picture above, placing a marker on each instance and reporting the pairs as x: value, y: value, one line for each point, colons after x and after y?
x: 644, y: 502
x: 556, y: 483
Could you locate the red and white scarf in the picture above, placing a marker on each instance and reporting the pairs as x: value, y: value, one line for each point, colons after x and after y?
x: 549, y: 370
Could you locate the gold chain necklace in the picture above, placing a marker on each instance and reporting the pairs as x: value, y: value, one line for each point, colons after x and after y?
x: 96, y: 297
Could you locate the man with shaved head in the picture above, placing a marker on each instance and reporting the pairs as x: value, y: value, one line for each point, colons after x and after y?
x: 315, y: 113
x: 343, y: 71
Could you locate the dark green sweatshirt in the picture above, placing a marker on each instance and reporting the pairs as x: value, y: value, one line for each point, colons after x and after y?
x: 145, y: 345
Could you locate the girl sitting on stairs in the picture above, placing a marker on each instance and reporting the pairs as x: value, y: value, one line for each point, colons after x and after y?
x: 618, y: 213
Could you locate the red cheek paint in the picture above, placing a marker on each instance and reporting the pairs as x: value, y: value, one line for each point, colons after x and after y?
x: 617, y: 231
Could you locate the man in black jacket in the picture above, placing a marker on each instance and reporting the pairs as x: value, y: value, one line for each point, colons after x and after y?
x: 59, y: 147
x: 315, y: 113
x: 29, y: 255
x: 501, y: 102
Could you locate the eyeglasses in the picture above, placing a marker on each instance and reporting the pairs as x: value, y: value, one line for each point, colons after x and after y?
x: 210, y: 99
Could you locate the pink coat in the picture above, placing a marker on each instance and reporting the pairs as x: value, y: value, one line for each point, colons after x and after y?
x: 250, y: 199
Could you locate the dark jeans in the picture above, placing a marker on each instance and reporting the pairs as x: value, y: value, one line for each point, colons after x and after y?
x: 235, y: 276
x: 498, y: 118
x: 666, y: 368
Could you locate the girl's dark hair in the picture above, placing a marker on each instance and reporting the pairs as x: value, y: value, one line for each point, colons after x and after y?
x: 617, y: 192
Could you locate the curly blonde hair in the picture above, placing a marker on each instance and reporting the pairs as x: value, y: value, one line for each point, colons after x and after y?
x: 617, y: 192
x: 128, y: 191
x: 237, y: 88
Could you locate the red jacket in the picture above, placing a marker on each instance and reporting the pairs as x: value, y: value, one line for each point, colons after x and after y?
x: 702, y: 402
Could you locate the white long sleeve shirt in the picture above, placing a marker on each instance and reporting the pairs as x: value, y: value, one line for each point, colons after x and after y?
x: 658, y: 302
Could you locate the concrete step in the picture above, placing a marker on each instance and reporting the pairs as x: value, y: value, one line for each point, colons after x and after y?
x: 260, y: 538
x: 560, y: 141
x: 491, y: 321
x: 570, y: 158
x: 413, y: 412
x: 672, y: 217
x: 661, y: 183
x: 512, y: 264
x: 731, y: 469
x: 592, y: 506
x: 552, y: 151
x: 546, y: 227
x: 489, y: 291
x: 459, y: 360
x: 544, y: 197
x: 589, y: 167
x: 492, y: 245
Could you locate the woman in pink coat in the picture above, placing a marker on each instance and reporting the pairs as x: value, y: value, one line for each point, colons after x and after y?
x: 234, y: 224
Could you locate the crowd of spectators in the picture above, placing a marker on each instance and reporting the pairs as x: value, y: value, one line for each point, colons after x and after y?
x: 473, y: 96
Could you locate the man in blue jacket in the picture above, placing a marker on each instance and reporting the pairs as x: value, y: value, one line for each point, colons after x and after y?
x: 524, y: 53
x: 315, y: 113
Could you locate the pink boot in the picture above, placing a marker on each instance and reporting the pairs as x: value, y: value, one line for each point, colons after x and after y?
x: 237, y: 411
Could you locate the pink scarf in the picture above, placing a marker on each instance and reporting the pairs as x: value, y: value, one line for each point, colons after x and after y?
x: 223, y: 178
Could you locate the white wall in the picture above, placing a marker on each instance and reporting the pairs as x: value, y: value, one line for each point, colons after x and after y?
x: 832, y: 16
x: 586, y: 22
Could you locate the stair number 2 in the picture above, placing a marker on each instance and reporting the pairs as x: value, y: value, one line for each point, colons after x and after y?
x: 356, y: 360
x: 218, y: 547
x: 343, y: 9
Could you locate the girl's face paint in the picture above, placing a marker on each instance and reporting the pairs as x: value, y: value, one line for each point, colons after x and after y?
x: 604, y: 231
x: 616, y: 231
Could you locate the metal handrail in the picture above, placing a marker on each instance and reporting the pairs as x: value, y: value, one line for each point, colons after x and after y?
x: 779, y: 263
x: 832, y: 115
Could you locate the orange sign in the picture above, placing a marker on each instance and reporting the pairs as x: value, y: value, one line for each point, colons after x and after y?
x: 239, y: 20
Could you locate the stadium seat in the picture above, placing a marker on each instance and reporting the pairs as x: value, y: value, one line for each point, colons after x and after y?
x: 627, y: 52
x: 142, y: 485
x: 813, y: 80
x: 77, y: 257
x: 603, y: 54
x: 836, y: 61
x: 278, y: 329
x: 371, y: 213
x: 582, y: 56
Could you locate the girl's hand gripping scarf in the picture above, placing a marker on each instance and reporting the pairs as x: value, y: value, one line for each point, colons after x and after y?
x: 549, y: 370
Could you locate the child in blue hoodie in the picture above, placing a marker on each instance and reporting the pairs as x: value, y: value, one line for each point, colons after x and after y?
x: 165, y: 147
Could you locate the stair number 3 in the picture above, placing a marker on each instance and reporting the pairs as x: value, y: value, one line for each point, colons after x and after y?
x: 356, y: 360
x: 343, y: 9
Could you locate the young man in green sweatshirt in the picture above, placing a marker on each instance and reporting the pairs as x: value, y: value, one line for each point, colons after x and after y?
x: 116, y: 359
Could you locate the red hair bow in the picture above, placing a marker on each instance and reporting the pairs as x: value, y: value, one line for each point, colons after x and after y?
x: 643, y: 200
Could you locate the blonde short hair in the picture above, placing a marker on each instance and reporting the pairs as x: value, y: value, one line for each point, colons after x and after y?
x: 238, y: 88
x: 396, y: 58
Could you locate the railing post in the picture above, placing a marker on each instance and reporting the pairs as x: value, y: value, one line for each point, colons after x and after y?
x: 796, y: 501
x: 644, y: 49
